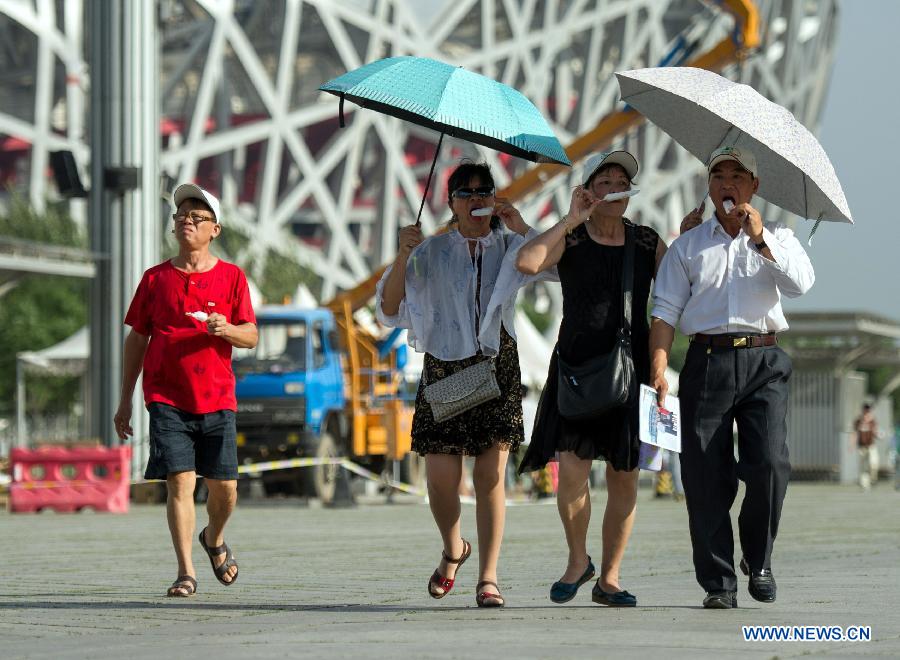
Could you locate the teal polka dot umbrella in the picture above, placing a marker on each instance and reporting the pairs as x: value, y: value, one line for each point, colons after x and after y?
x: 452, y: 101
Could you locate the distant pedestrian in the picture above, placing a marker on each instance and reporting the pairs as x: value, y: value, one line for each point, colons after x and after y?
x: 866, y: 427
x: 185, y: 317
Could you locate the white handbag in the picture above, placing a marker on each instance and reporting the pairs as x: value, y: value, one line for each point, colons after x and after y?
x: 463, y: 390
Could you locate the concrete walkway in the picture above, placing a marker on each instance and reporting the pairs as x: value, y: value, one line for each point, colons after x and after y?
x: 351, y: 583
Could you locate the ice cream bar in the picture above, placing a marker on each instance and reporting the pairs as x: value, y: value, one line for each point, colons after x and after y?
x: 612, y: 197
x: 485, y: 210
x: 728, y: 205
x: 200, y: 316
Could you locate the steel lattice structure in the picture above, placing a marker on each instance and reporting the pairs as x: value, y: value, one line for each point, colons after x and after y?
x: 242, y: 115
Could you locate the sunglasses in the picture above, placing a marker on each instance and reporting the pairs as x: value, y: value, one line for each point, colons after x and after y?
x: 192, y: 218
x: 468, y: 193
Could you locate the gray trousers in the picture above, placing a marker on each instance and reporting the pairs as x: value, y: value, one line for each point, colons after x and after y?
x: 718, y: 387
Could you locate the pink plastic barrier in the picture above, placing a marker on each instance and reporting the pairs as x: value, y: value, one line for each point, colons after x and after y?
x: 70, y: 479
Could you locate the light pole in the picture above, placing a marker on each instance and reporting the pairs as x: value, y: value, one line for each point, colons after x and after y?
x: 124, y: 198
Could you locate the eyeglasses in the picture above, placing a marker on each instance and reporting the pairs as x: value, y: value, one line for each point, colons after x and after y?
x: 468, y: 193
x: 193, y: 218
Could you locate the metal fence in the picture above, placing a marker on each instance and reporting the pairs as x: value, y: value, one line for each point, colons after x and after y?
x: 823, y: 407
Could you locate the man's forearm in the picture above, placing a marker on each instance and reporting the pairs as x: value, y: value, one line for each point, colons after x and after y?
x: 132, y: 362
x: 244, y: 335
x: 661, y: 337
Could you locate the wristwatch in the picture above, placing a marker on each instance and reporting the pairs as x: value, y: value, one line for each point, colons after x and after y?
x: 761, y: 246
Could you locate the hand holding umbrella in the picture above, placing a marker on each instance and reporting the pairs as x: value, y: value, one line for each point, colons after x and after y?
x: 694, y: 218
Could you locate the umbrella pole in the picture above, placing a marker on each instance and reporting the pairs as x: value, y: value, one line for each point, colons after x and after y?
x: 428, y: 182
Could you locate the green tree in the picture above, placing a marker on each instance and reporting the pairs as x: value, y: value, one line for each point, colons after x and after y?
x: 41, y: 310
x: 279, y: 276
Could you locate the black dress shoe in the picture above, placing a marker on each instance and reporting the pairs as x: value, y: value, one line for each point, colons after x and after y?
x: 762, y: 583
x: 720, y: 600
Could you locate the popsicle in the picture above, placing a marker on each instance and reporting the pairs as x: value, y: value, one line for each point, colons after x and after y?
x: 200, y: 316
x: 612, y: 197
x: 483, y: 211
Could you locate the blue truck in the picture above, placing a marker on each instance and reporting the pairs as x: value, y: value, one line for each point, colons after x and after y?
x: 317, y: 386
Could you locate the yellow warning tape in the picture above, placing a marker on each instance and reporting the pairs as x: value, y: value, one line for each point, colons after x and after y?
x: 255, y: 469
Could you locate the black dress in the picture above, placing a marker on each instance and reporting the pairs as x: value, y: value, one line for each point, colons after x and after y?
x: 591, y: 278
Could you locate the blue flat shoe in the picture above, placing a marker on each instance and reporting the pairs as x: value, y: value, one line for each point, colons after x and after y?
x: 563, y: 592
x: 617, y: 599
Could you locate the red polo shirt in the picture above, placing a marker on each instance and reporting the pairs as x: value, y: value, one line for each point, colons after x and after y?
x: 184, y: 366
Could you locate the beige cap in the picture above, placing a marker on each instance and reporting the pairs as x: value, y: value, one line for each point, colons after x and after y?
x: 743, y: 157
x: 193, y: 191
x: 623, y: 158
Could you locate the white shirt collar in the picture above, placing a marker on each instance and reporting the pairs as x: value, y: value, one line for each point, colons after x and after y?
x: 715, y: 225
x: 484, y: 241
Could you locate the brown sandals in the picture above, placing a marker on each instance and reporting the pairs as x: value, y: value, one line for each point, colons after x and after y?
x: 222, y: 568
x: 438, y: 580
x: 183, y: 587
x: 482, y: 596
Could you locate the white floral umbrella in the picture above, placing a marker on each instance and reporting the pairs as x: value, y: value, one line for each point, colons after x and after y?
x: 703, y: 111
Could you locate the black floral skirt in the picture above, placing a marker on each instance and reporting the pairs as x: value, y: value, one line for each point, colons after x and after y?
x: 495, y: 422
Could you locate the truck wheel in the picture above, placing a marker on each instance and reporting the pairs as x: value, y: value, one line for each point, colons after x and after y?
x: 325, y: 476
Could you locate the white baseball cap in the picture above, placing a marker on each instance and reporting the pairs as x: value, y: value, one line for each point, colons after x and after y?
x: 743, y: 157
x: 622, y: 158
x: 193, y: 191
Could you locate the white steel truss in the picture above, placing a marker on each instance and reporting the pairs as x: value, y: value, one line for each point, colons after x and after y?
x: 242, y: 114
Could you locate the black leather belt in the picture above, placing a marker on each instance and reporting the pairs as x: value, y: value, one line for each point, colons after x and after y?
x: 735, y: 341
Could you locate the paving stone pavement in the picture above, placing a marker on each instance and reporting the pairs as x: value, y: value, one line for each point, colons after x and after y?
x: 352, y: 583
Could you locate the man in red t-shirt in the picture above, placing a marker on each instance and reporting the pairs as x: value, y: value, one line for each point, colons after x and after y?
x: 186, y: 315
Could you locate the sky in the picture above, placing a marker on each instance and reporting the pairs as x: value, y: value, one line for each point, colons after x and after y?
x: 858, y: 266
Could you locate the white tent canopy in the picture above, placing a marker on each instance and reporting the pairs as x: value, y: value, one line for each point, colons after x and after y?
x: 68, y: 357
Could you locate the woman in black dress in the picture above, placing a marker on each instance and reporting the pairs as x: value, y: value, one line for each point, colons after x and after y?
x: 587, y: 247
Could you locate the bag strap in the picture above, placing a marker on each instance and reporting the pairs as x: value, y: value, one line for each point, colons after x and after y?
x: 627, y: 279
x: 490, y: 358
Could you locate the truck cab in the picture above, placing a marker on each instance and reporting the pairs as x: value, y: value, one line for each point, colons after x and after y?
x: 290, y: 391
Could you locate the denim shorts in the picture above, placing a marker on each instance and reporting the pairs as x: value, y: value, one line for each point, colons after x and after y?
x: 185, y: 442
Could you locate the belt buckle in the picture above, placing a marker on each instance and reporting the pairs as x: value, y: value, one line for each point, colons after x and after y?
x: 739, y: 342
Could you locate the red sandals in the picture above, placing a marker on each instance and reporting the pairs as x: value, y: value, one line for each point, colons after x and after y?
x: 438, y: 580
x: 482, y: 596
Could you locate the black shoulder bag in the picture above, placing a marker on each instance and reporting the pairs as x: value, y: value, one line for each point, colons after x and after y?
x: 590, y: 389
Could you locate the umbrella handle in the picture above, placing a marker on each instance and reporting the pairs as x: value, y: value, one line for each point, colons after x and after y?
x: 813, y: 231
x: 428, y: 182
x: 702, y: 201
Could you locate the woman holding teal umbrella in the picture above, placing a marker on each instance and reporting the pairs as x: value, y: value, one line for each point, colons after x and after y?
x: 444, y: 291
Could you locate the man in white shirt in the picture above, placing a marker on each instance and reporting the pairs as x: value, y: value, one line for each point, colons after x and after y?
x: 723, y: 281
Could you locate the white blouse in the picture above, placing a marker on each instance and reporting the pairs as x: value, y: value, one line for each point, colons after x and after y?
x: 439, y: 310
